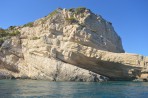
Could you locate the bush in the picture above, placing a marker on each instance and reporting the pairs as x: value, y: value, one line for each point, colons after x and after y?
x: 35, y: 38
x: 50, y: 15
x: 6, y: 34
x: 93, y: 31
x: 14, y: 33
x: 3, y: 33
x: 71, y: 20
x: 11, y: 27
x: 1, y: 40
x: 30, y: 24
x: 72, y: 10
x: 82, y: 25
x: 53, y: 13
x: 80, y: 10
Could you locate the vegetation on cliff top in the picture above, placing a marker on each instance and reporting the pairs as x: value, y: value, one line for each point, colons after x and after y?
x: 78, y: 10
x: 53, y: 13
x: 30, y: 24
x: 5, y: 34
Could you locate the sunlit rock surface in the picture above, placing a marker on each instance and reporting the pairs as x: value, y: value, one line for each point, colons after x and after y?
x: 69, y: 45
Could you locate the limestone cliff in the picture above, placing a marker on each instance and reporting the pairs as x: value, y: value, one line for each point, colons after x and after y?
x: 69, y: 45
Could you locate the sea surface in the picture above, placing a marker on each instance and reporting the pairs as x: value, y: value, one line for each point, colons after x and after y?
x: 46, y: 89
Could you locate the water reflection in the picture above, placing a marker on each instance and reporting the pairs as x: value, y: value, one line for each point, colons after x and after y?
x: 32, y: 88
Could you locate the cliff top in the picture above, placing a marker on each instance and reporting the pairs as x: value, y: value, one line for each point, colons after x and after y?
x: 101, y: 32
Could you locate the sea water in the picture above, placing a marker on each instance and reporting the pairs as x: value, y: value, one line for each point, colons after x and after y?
x: 46, y: 89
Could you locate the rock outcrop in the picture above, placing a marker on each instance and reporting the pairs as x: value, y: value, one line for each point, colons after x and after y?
x: 69, y: 45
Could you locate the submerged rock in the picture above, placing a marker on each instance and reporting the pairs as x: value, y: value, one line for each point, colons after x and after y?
x: 70, y: 45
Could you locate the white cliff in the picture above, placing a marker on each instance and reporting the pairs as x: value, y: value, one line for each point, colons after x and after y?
x: 69, y: 45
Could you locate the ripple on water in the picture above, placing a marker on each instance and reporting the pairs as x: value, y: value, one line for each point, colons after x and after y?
x: 34, y: 88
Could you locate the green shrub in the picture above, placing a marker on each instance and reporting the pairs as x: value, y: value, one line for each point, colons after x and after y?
x: 35, y: 38
x: 14, y: 33
x: 6, y: 34
x: 30, y: 24
x: 71, y: 20
x: 80, y: 10
x: 53, y: 13
x: 50, y: 15
x: 11, y: 27
x: 3, y: 33
x: 93, y: 31
x: 72, y: 10
x: 1, y: 40
x: 82, y: 25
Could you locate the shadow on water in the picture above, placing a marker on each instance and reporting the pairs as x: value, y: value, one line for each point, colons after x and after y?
x: 33, y: 88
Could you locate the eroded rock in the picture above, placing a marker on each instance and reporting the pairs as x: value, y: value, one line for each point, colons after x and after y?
x: 70, y: 45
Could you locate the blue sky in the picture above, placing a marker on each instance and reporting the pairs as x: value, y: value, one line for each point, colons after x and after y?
x: 129, y: 17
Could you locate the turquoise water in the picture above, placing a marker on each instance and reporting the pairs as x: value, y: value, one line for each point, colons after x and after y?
x: 46, y: 89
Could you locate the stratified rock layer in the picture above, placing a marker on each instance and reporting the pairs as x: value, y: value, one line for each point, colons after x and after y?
x: 70, y: 45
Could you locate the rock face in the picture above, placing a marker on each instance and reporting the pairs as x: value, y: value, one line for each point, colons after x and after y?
x: 69, y: 45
